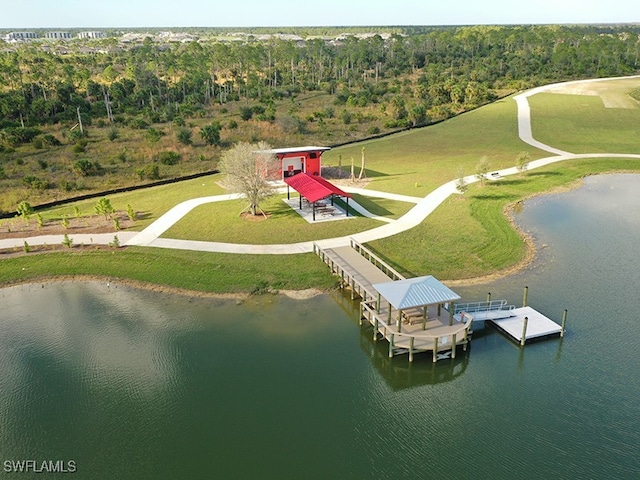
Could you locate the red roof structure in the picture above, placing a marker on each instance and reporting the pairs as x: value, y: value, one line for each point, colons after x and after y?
x: 315, y: 188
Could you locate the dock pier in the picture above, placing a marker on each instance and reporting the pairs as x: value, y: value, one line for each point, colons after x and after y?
x: 414, y: 315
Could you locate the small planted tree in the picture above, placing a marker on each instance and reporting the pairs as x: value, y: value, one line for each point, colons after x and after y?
x: 115, y: 243
x: 25, y: 210
x: 247, y: 167
x: 66, y: 241
x: 522, y: 162
x: 65, y: 222
x: 116, y: 223
x: 39, y: 220
x: 461, y: 184
x: 104, y: 207
x: 482, y: 169
x: 131, y: 213
x: 26, y: 247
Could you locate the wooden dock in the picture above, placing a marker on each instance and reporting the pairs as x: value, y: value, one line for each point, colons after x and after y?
x: 358, y: 267
x: 430, y: 328
x: 430, y: 321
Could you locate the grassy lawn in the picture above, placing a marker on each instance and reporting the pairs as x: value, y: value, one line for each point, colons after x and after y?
x: 199, y: 271
x: 582, y: 124
x: 418, y: 161
x: 470, y: 237
x: 148, y: 203
x: 383, y: 207
x: 221, y: 222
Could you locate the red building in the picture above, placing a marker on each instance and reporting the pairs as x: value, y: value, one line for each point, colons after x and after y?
x: 299, y: 160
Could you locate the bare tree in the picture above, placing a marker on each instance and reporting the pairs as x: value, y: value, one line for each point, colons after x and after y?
x: 248, y: 167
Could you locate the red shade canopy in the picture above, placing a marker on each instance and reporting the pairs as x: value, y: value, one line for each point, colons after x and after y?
x: 313, y: 188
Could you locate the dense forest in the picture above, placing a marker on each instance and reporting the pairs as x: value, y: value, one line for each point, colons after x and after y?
x: 79, y: 117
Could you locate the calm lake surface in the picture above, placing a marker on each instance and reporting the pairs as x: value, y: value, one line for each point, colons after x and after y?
x: 143, y: 385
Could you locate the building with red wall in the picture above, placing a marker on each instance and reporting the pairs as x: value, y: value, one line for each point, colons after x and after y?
x: 299, y: 160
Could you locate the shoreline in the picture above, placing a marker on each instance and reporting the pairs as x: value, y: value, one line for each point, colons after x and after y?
x: 239, y: 297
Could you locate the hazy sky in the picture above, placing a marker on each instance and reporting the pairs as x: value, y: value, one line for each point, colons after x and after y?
x: 239, y: 13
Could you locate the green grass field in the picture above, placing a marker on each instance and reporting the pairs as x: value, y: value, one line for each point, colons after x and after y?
x: 471, y: 237
x: 464, y: 238
x: 149, y: 203
x: 197, y: 271
x: 283, y: 225
x: 585, y: 124
x: 418, y: 161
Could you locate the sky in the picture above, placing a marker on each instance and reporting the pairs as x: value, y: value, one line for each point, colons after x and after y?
x: 20, y: 14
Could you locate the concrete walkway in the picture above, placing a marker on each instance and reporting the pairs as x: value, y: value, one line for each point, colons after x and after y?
x: 150, y: 236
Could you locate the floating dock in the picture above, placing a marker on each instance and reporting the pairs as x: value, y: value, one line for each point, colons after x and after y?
x: 538, y: 326
x: 519, y: 324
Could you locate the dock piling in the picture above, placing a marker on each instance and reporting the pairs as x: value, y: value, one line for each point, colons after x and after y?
x: 564, y: 322
x: 525, y: 296
x: 524, y: 332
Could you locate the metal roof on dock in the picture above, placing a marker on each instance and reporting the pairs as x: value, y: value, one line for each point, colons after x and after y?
x: 416, y: 292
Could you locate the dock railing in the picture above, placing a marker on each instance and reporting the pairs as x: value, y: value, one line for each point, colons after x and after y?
x: 376, y: 260
x: 481, y: 307
x: 441, y: 343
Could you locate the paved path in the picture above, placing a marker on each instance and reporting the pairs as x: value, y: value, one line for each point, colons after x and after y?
x: 150, y: 236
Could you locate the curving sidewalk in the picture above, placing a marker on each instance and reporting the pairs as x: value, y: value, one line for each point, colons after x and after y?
x: 150, y: 236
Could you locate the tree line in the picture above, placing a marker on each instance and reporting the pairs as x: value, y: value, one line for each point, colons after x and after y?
x: 425, y: 73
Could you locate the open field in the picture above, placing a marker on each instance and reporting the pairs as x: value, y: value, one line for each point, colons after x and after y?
x: 418, y: 161
x: 584, y: 123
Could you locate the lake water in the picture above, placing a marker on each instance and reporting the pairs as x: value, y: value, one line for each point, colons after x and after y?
x: 145, y: 385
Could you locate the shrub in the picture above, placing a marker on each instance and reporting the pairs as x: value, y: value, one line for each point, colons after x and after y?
x: 68, y: 186
x: 150, y: 172
x: 113, y: 134
x: 87, y: 168
x: 184, y: 136
x: 153, y: 135
x: 35, y: 182
x: 246, y: 113
x: 168, y: 157
x: 138, y: 124
x: 50, y: 140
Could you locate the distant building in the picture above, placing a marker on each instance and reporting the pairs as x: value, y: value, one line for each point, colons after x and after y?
x: 20, y: 36
x: 58, y: 35
x: 91, y: 35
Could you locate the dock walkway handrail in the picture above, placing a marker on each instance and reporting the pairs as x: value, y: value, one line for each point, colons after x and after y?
x: 377, y: 261
x: 488, y: 306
